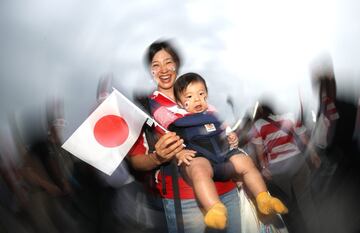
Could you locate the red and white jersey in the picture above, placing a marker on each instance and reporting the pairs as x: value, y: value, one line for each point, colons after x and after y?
x: 278, y: 144
x: 167, y: 110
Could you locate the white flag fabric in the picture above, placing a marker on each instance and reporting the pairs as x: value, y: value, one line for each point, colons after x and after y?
x: 107, y: 135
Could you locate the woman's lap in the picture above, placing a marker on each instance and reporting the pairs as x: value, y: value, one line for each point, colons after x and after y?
x: 194, y: 218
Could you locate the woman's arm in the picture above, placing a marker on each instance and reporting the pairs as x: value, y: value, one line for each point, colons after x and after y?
x: 142, y: 162
x: 165, y: 149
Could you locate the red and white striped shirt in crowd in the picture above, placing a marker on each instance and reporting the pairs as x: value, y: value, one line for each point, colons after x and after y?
x: 330, y: 112
x: 278, y: 144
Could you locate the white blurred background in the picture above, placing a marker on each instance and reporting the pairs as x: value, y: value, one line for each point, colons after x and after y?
x: 244, y: 49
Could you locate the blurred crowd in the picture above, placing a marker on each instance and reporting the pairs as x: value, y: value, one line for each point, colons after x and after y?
x: 43, y: 188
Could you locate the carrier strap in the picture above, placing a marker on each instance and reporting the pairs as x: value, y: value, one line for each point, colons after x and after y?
x: 147, y: 103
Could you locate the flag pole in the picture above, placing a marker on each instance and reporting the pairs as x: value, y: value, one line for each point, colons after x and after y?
x: 150, y: 120
x: 301, y: 107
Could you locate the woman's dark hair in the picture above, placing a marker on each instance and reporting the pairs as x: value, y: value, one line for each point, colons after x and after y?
x: 183, y: 82
x: 165, y: 45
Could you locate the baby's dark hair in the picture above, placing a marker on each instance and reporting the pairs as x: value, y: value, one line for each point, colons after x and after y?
x: 184, y: 81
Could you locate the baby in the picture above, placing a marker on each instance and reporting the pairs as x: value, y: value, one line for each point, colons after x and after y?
x: 202, y: 132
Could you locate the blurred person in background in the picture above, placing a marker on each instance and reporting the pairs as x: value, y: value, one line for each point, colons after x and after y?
x: 13, y: 194
x: 336, y: 184
x: 252, y: 221
x: 277, y: 141
x: 44, y: 172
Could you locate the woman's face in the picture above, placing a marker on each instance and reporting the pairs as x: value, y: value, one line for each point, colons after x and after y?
x: 163, y: 69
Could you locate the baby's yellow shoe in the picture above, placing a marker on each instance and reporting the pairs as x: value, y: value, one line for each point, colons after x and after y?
x: 268, y: 204
x: 216, y: 216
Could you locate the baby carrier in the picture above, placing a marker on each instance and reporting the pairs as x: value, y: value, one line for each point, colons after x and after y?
x: 202, y: 132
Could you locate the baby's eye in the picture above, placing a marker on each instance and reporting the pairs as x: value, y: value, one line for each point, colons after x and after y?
x: 188, y: 97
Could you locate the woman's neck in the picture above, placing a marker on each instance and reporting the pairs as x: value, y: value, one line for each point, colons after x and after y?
x: 168, y: 93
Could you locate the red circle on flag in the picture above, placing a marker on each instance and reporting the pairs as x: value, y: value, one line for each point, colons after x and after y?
x: 111, y: 131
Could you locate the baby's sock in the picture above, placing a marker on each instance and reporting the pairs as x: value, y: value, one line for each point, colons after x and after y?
x: 268, y: 204
x: 216, y: 216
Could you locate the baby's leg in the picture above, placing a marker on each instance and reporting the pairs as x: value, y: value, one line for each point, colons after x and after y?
x: 199, y: 173
x: 245, y: 167
x: 252, y: 178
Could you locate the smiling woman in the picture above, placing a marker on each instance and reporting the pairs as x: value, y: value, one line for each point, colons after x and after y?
x: 180, y: 207
x: 164, y: 64
x: 163, y: 70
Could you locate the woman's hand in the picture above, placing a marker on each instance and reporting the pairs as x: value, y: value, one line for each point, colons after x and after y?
x: 185, y: 156
x: 168, y: 146
x: 233, y: 140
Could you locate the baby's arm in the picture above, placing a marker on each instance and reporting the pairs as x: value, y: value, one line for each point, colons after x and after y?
x: 233, y: 140
x: 185, y: 156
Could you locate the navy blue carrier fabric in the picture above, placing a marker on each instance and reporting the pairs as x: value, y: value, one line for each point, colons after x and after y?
x: 202, y: 132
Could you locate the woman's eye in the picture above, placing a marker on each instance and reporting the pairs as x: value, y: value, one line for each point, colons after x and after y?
x: 169, y: 61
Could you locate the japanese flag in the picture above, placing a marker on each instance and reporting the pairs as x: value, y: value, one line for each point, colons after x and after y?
x: 106, y: 136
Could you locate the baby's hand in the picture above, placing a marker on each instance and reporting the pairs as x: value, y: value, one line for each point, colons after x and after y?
x: 233, y: 139
x: 185, y: 156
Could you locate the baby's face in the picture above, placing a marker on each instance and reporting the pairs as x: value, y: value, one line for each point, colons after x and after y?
x: 193, y: 99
